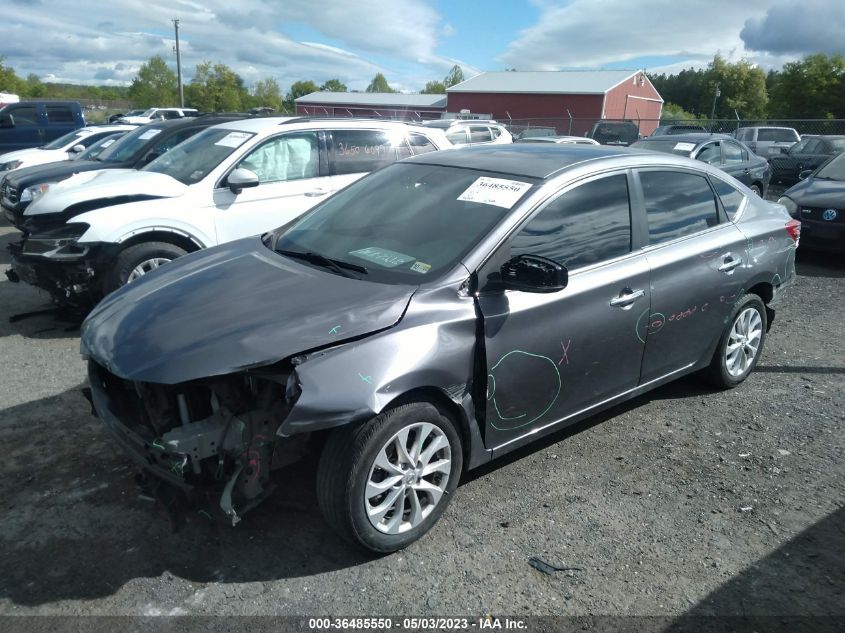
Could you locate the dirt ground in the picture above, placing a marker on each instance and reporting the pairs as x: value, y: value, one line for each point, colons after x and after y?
x: 684, y: 501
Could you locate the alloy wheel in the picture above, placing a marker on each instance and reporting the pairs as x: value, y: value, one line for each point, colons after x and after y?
x: 408, y: 478
x: 146, y: 266
x: 744, y: 342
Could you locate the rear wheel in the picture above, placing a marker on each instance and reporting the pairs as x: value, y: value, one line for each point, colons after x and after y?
x: 741, y: 344
x: 384, y: 484
x: 136, y: 261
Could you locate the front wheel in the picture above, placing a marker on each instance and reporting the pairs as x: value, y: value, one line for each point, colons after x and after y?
x: 757, y: 190
x: 741, y: 344
x: 382, y: 485
x: 136, y: 261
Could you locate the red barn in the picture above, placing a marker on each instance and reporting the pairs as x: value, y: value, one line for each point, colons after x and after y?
x: 558, y: 97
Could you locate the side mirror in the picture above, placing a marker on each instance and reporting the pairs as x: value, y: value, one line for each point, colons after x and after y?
x: 804, y: 174
x: 7, y: 120
x: 241, y: 179
x: 76, y: 149
x: 534, y: 273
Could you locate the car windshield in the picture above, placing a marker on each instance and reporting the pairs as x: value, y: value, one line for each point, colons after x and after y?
x: 833, y: 169
x: 407, y: 223
x: 97, y: 148
x: 838, y: 143
x: 148, y: 113
x: 131, y: 146
x: 192, y: 160
x: 666, y: 145
x: 62, y: 141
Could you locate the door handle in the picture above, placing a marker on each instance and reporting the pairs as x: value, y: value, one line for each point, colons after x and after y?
x: 624, y: 300
x: 316, y: 193
x: 730, y: 264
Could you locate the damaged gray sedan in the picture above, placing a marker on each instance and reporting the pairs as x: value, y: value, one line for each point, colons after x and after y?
x: 430, y: 317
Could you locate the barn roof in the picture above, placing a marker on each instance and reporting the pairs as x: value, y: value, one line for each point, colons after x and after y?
x: 383, y: 99
x: 545, y: 81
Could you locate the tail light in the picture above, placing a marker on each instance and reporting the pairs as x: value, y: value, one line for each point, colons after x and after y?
x: 793, y: 227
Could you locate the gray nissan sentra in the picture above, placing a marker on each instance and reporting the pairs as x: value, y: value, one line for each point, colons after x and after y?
x: 431, y: 317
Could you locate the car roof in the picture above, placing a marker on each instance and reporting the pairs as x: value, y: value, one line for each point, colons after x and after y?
x: 691, y: 137
x: 447, y: 123
x: 263, y: 124
x: 532, y: 160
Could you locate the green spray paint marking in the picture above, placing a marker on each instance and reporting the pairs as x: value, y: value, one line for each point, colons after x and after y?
x: 157, y: 444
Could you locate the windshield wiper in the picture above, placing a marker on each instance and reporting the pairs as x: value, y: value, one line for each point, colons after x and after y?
x: 336, y: 265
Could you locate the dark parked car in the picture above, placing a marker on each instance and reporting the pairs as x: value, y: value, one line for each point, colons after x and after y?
x: 137, y: 148
x: 818, y: 201
x: 720, y: 151
x: 35, y: 123
x: 665, y: 130
x: 809, y: 153
x: 430, y: 317
x: 615, y: 132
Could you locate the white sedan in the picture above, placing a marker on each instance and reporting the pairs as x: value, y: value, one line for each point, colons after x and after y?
x: 63, y: 148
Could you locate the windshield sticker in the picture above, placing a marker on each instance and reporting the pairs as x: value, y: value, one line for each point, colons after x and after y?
x: 495, y: 191
x: 421, y: 267
x: 108, y: 142
x: 382, y: 256
x: 149, y: 134
x: 233, y: 139
x: 684, y: 147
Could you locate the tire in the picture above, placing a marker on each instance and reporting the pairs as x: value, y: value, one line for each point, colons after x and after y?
x: 757, y: 190
x: 348, y: 464
x: 725, y: 373
x: 129, y: 259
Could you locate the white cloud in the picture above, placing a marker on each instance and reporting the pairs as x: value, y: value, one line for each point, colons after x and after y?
x: 585, y: 33
x: 816, y: 26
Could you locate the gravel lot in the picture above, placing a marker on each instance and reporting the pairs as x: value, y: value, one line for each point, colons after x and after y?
x: 682, y: 501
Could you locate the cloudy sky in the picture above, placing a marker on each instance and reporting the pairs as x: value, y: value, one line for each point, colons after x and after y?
x: 410, y: 41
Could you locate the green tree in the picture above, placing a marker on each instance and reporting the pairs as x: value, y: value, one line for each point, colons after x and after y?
x: 266, y: 92
x: 334, y: 85
x: 216, y: 88
x: 813, y: 87
x: 683, y: 89
x: 155, y: 84
x: 379, y: 84
x: 434, y: 88
x: 34, y: 87
x: 455, y: 76
x: 299, y: 89
x: 9, y: 80
x: 672, y: 113
x: 742, y: 88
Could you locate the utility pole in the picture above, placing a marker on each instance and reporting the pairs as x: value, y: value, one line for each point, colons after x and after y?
x: 179, y: 65
x: 716, y: 95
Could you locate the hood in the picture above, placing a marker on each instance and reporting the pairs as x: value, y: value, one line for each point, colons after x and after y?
x: 231, y: 307
x: 19, y: 154
x: 49, y: 172
x: 104, y: 184
x: 818, y: 193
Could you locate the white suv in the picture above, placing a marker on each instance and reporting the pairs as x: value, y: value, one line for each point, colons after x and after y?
x: 229, y: 181
x: 472, y: 131
x: 158, y: 114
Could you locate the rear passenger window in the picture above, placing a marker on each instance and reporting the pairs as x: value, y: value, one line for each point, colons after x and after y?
x: 586, y: 225
x: 457, y: 137
x: 734, y: 153
x: 677, y: 204
x: 356, y: 151
x: 496, y: 132
x: 420, y: 144
x: 731, y: 198
x: 710, y: 154
x: 59, y: 114
x: 479, y: 134
x: 24, y: 115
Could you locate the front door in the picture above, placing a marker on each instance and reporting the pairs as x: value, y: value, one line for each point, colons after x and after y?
x: 552, y: 355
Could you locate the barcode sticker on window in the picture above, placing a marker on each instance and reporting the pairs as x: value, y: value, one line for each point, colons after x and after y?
x: 149, y: 134
x: 685, y: 147
x: 233, y: 139
x: 495, y: 191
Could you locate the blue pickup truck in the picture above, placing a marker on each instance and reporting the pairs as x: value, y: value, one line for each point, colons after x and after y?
x: 34, y: 123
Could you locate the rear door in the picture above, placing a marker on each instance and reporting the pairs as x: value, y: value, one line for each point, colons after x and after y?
x: 61, y: 119
x: 550, y: 356
x: 697, y: 259
x: 736, y: 162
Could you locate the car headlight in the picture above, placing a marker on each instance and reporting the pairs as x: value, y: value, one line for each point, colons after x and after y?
x: 31, y: 193
x: 12, y: 164
x: 790, y: 205
x: 58, y: 243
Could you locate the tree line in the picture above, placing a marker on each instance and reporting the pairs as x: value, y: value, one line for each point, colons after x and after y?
x: 810, y: 88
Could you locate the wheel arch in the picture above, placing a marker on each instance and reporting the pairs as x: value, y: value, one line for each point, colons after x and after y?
x: 766, y: 292
x: 182, y: 239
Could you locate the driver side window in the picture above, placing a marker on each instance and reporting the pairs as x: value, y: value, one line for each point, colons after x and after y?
x: 288, y: 157
x: 710, y: 154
